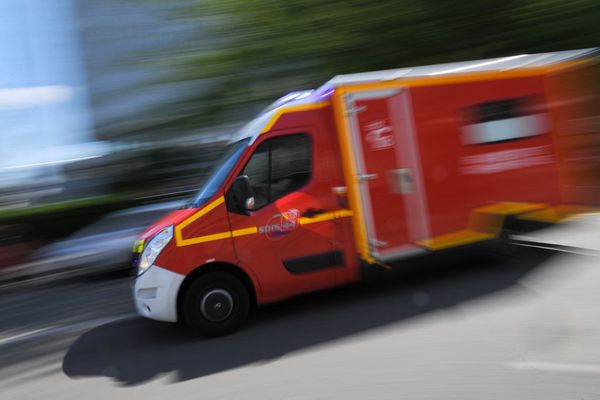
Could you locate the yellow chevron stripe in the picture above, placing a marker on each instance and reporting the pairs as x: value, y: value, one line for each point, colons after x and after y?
x: 179, y: 240
x: 290, y: 109
x: 244, y: 231
x: 204, y: 239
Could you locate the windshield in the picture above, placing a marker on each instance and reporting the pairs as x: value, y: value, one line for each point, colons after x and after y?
x: 219, y: 172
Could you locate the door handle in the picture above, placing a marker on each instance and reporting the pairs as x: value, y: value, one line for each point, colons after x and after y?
x: 402, y: 181
x: 311, y: 212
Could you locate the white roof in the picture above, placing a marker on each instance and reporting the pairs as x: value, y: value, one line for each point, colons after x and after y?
x: 490, y: 64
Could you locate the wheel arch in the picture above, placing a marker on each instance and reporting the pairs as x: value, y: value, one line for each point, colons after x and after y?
x: 232, y: 269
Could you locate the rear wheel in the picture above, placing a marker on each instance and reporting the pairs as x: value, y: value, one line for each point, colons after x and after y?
x: 216, y: 304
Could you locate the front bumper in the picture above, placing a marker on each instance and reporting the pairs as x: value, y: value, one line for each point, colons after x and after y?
x: 155, y: 293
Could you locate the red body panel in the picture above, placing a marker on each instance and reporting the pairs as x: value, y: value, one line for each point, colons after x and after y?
x: 452, y: 191
x: 329, y: 170
x: 264, y: 253
x: 184, y: 259
x: 573, y: 100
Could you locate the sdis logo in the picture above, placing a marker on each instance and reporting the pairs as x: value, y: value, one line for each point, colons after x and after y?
x: 280, y: 224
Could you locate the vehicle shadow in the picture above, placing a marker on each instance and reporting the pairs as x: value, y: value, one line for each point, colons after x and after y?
x: 134, y: 351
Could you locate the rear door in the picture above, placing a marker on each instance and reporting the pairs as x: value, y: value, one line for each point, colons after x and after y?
x: 387, y: 159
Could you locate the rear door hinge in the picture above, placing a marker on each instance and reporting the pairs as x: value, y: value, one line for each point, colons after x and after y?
x: 377, y: 243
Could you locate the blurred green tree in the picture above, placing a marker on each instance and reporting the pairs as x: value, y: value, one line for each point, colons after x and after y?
x: 250, y: 52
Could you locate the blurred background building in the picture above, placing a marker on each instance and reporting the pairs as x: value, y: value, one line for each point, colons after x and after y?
x: 82, y: 132
x: 78, y: 94
x: 45, y: 114
x: 117, y: 40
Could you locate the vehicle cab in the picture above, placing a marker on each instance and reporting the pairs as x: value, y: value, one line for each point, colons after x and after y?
x: 270, y: 221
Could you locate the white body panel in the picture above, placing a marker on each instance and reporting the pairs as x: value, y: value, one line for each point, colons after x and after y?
x: 155, y: 294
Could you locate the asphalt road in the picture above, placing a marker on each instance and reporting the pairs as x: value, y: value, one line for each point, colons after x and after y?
x: 524, y: 326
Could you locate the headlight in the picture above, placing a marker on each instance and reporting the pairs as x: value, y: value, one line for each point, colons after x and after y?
x: 154, y: 247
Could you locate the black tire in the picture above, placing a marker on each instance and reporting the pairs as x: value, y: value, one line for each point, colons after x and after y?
x: 216, y: 304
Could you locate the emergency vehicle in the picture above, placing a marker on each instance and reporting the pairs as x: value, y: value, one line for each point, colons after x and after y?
x: 325, y: 185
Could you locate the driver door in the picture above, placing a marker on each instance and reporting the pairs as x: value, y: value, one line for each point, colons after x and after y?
x: 288, y: 239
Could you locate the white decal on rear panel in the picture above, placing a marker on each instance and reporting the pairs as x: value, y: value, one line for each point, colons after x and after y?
x: 506, y: 160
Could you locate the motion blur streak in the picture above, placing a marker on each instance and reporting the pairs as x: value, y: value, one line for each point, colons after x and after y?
x: 113, y: 114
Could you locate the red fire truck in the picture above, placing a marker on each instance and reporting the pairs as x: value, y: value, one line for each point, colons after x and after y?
x: 325, y: 185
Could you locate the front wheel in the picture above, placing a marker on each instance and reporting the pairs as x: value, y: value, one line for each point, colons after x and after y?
x: 216, y: 304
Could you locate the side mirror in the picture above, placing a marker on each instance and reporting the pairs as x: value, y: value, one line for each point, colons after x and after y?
x: 242, y: 193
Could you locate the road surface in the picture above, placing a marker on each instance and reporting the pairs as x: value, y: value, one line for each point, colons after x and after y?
x: 524, y: 326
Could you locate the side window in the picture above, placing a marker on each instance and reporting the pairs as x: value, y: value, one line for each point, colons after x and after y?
x: 290, y: 164
x: 279, y: 166
x: 257, y: 170
x: 503, y: 120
